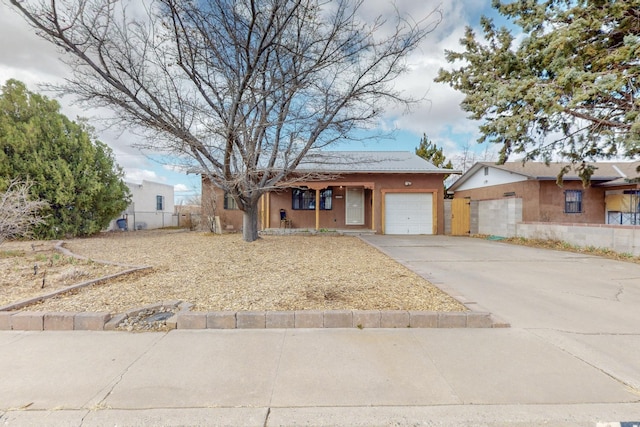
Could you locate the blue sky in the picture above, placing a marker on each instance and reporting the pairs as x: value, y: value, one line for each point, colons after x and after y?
x: 25, y: 57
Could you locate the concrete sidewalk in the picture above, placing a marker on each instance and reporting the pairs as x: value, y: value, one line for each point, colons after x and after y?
x: 302, y: 377
x: 570, y: 358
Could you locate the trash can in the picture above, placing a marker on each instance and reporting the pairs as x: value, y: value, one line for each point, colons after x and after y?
x: 122, y: 224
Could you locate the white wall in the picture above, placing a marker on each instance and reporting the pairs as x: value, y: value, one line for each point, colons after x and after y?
x: 493, y: 177
x: 142, y: 213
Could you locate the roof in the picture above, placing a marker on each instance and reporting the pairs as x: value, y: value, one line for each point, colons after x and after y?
x: 605, y: 174
x: 369, y: 162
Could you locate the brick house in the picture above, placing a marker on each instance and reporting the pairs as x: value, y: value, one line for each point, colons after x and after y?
x: 612, y: 197
x: 379, y: 191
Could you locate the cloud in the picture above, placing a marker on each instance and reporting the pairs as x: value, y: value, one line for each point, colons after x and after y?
x: 136, y: 176
x: 26, y: 57
x: 181, y: 188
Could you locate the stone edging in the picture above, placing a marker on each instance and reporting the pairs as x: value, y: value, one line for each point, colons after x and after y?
x: 186, y: 319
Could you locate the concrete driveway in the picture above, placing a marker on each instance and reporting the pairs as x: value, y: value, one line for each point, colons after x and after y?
x: 586, y: 305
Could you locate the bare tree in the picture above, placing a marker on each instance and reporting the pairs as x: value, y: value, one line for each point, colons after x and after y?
x: 18, y: 214
x: 243, y: 88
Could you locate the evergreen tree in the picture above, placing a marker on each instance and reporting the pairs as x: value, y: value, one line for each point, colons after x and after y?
x: 72, y: 171
x: 431, y: 153
x: 567, y: 85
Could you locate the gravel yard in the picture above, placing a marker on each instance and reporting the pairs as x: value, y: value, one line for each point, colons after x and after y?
x: 221, y: 272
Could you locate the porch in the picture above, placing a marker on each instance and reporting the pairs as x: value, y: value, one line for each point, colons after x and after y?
x: 321, y: 232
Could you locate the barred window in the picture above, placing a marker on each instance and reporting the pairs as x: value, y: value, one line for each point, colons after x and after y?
x: 159, y: 203
x: 573, y: 201
x: 305, y: 199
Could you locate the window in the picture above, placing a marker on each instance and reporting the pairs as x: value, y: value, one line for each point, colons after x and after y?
x: 305, y: 199
x: 229, y: 202
x: 573, y: 201
x: 486, y: 170
x: 159, y: 203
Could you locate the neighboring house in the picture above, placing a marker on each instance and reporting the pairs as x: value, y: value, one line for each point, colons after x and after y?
x: 380, y: 191
x: 151, y: 206
x: 612, y: 197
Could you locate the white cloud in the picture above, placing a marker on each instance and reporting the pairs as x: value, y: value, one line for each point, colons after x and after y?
x: 181, y: 188
x: 28, y: 58
x: 136, y: 176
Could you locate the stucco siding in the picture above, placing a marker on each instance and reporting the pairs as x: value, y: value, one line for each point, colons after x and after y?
x: 375, y: 185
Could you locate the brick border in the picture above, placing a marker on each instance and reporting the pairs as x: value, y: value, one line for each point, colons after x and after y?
x: 185, y: 319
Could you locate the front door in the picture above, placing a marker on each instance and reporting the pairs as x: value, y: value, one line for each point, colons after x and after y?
x: 355, y: 206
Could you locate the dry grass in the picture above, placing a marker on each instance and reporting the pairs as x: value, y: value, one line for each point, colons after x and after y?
x: 33, y: 268
x: 224, y: 273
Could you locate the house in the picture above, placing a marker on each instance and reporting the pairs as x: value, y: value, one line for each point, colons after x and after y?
x: 151, y: 206
x: 377, y: 191
x: 611, y: 198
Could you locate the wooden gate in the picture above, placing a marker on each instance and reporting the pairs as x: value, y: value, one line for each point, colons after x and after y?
x: 460, y: 217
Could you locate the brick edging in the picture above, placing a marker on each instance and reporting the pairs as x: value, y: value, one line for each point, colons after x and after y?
x: 362, y: 319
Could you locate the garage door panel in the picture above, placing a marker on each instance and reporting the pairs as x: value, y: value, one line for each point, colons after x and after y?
x: 409, y: 213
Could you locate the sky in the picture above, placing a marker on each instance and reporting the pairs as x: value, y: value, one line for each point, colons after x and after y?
x: 26, y: 57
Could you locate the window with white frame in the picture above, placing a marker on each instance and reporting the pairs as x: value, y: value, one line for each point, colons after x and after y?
x: 573, y: 201
x: 159, y: 203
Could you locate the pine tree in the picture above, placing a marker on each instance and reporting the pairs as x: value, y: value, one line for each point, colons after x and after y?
x: 72, y: 171
x: 430, y: 152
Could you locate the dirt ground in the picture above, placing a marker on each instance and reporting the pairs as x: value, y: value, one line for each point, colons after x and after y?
x: 220, y: 272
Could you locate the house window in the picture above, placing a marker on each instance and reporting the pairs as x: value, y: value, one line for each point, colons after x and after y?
x: 229, y: 202
x: 159, y: 203
x: 305, y: 199
x: 573, y: 201
x: 486, y: 171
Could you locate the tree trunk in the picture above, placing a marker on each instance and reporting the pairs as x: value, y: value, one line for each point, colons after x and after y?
x: 250, y: 222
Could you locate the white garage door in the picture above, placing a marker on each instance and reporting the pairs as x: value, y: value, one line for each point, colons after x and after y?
x: 408, y: 213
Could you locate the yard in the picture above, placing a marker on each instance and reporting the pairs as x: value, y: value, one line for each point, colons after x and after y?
x: 219, y: 272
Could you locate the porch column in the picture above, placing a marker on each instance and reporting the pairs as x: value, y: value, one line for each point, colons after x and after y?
x: 317, y: 209
x: 268, y: 210
x: 373, y: 208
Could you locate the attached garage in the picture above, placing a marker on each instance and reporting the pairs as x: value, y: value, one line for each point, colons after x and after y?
x: 408, y: 213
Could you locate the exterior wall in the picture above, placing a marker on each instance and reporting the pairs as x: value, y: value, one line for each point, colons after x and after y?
x: 622, y: 239
x: 213, y: 204
x: 493, y: 177
x: 142, y: 213
x: 499, y: 217
x: 544, y: 200
x: 376, y: 185
x: 447, y: 216
x: 530, y: 189
x: 552, y: 204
